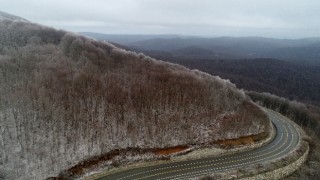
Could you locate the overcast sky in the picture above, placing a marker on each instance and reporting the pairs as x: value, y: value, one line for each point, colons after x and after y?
x: 269, y: 18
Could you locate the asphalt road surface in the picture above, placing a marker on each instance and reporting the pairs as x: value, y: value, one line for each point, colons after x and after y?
x: 285, y: 140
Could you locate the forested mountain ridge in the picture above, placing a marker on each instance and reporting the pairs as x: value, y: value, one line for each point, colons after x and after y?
x: 294, y: 75
x: 285, y: 79
x: 303, y: 51
x: 65, y: 98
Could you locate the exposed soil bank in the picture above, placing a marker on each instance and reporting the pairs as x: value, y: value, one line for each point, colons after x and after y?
x: 115, y: 158
x: 242, y: 141
x: 169, y: 151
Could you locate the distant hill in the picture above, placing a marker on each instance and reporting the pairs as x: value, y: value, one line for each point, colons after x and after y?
x: 295, y: 50
x: 309, y: 54
x: 66, y: 98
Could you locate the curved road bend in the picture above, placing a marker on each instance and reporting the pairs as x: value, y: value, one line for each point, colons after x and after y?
x: 285, y: 140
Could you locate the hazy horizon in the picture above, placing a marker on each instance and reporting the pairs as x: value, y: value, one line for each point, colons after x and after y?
x: 199, y: 36
x: 205, y: 18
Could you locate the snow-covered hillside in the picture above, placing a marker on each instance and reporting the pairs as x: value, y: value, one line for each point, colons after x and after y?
x: 65, y: 98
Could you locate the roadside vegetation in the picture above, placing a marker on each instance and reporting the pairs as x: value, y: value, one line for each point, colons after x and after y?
x: 308, y: 117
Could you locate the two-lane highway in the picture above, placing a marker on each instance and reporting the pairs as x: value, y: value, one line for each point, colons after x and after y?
x: 285, y: 141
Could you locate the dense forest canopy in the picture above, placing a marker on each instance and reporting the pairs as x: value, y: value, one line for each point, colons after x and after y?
x: 285, y: 79
x: 65, y: 98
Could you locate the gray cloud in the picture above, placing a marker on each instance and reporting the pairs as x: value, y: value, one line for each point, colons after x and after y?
x: 272, y: 18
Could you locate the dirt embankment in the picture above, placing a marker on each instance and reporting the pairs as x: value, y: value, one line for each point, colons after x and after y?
x: 242, y: 141
x: 114, y: 156
x: 118, y: 157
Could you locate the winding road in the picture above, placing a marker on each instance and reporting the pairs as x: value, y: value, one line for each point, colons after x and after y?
x: 285, y: 141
